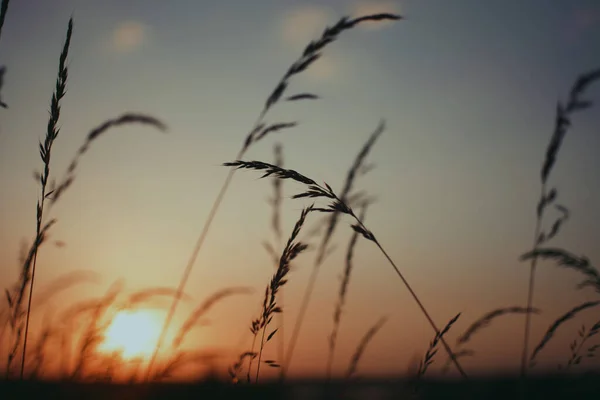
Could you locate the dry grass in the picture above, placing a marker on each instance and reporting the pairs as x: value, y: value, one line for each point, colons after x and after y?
x: 261, y: 129
x: 557, y: 324
x: 28, y: 275
x: 2, y: 72
x: 49, y: 191
x: 339, y: 307
x: 317, y: 191
x: 548, y: 196
x: 576, y: 347
x: 566, y: 259
x: 276, y: 203
x: 80, y: 359
x: 203, y: 308
x: 270, y: 305
x: 487, y: 319
x: 93, y: 334
x: 3, y: 11
x: 325, y: 248
x: 432, y: 349
x: 362, y: 346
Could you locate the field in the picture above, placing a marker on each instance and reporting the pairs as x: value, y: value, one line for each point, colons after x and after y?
x: 143, y: 334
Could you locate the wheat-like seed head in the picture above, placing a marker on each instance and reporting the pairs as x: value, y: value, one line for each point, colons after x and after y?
x: 204, y: 307
x: 432, y: 350
x: 487, y: 319
x: 556, y: 324
x: 362, y: 345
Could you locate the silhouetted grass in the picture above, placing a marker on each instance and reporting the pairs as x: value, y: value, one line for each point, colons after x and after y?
x: 79, y: 357
x: 556, y: 324
x: 324, y: 247
x: 432, y: 349
x: 568, y: 260
x: 45, y: 153
x: 270, y: 305
x: 339, y: 307
x: 261, y: 129
x: 577, y: 345
x: 362, y: 345
x: 548, y: 196
x: 3, y: 11
x: 276, y: 202
x: 203, y: 308
x: 315, y: 190
x: 49, y: 191
x: 487, y: 319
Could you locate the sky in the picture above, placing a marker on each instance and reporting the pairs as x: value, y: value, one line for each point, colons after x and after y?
x: 468, y: 90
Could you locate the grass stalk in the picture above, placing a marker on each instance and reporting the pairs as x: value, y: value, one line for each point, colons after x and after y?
x: 275, y: 203
x: 270, y: 304
x: 3, y: 11
x: 260, y: 130
x: 556, y: 324
x: 45, y: 153
x: 324, y: 248
x: 547, y: 197
x: 362, y: 345
x: 339, y: 307
x: 314, y: 190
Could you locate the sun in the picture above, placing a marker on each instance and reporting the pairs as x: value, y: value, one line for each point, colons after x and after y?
x: 134, y: 333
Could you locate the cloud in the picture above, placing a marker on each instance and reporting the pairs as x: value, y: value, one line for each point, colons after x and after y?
x: 302, y: 24
x: 366, y: 7
x: 128, y: 36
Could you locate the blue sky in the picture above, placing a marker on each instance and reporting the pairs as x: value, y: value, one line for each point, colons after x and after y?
x: 468, y: 90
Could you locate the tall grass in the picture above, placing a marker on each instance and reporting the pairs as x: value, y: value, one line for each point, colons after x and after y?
x: 3, y: 11
x: 362, y: 345
x: 339, y: 306
x: 203, y: 308
x: 548, y: 196
x: 432, y: 349
x: 275, y: 203
x: 576, y: 347
x: 49, y: 194
x: 556, y: 324
x: 324, y: 248
x: 261, y: 129
x: 270, y: 306
x: 45, y: 153
x: 316, y: 191
x: 94, y: 316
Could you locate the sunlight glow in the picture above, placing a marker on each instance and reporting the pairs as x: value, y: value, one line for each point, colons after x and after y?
x: 134, y: 333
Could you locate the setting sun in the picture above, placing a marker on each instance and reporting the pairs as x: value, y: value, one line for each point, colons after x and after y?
x: 135, y: 333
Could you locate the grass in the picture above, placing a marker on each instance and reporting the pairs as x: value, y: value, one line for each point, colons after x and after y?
x: 50, y: 192
x: 339, y: 307
x: 261, y: 129
x: 3, y: 11
x: 548, y: 196
x: 336, y: 205
x: 79, y: 359
x: 324, y: 247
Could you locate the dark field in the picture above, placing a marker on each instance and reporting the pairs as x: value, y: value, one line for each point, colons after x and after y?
x: 541, y: 387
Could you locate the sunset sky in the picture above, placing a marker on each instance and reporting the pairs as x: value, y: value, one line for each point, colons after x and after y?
x: 468, y: 89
